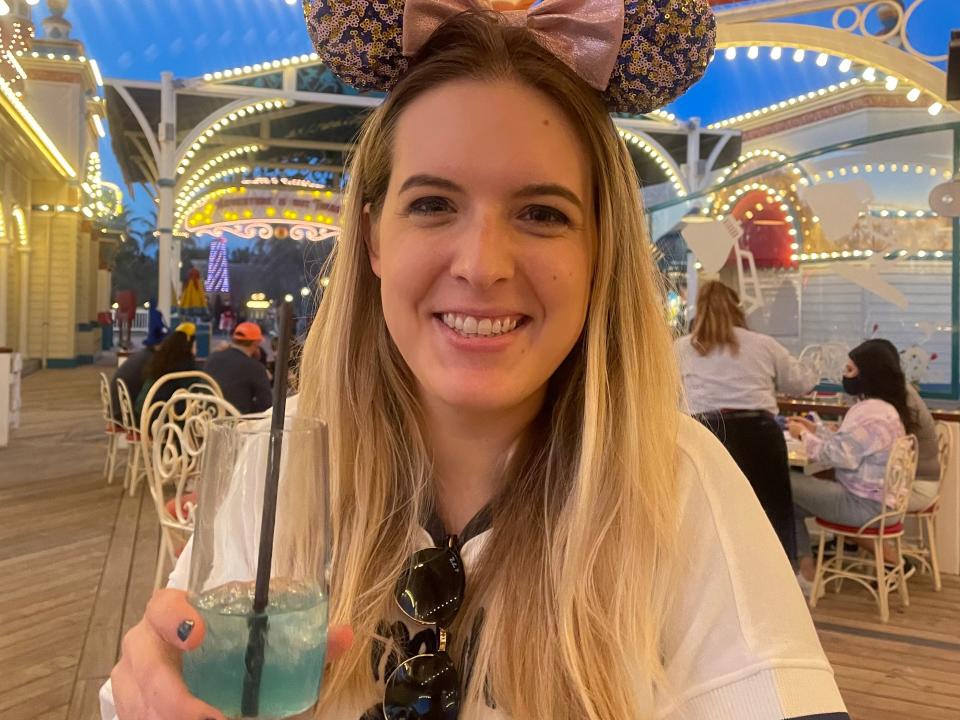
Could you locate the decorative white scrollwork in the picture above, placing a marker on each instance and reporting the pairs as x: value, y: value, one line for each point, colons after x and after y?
x: 179, y: 434
x: 259, y: 229
x: 899, y: 29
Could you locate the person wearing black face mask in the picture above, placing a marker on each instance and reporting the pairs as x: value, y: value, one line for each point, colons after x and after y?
x: 853, y: 386
x: 857, y: 450
x: 926, y: 487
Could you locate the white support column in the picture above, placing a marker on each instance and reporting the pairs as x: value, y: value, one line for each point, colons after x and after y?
x: 167, y: 135
x: 693, y: 154
x: 6, y: 230
x: 4, y: 287
x: 24, y: 300
x: 4, y: 272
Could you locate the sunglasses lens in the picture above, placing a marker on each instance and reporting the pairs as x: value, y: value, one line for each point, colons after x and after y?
x: 425, y: 687
x: 431, y: 589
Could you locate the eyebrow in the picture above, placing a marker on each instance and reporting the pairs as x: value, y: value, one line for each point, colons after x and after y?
x: 550, y: 189
x: 436, y: 181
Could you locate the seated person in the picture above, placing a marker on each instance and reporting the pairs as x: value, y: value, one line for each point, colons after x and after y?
x: 131, y: 372
x: 239, y: 372
x: 175, y: 354
x: 858, y: 451
x: 926, y: 488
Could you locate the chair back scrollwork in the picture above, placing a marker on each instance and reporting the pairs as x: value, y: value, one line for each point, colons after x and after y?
x: 178, y: 434
x: 127, y: 417
x: 901, y: 471
x: 943, y: 449
x: 106, y: 402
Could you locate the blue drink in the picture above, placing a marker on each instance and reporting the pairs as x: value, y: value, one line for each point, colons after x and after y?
x: 294, y: 651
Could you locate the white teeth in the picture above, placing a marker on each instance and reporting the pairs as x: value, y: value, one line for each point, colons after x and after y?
x: 469, y: 325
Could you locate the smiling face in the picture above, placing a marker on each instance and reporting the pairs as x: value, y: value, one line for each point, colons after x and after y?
x: 484, y: 243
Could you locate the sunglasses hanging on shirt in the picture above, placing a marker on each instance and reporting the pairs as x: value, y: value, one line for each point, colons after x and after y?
x: 429, y: 592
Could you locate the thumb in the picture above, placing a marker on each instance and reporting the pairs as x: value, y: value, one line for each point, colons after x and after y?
x: 175, y: 620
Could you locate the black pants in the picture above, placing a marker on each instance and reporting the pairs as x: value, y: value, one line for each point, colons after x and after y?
x: 756, y: 443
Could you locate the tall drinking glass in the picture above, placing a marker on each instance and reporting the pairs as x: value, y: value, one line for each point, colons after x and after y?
x: 249, y: 665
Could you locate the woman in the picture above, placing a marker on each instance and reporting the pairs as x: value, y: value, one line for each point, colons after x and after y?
x: 858, y: 450
x: 493, y: 363
x: 175, y: 354
x: 926, y: 488
x: 731, y: 376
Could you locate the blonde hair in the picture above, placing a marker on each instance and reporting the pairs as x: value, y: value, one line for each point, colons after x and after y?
x: 718, y: 313
x: 571, y: 624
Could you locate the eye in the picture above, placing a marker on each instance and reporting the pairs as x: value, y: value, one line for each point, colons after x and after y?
x: 543, y: 215
x: 429, y: 206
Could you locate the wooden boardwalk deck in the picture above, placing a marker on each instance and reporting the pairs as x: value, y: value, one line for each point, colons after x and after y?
x: 77, y: 557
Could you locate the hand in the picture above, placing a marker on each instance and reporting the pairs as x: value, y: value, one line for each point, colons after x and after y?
x: 796, y: 426
x: 147, y: 681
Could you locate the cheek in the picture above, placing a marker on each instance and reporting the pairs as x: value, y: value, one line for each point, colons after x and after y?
x: 409, y: 270
x: 565, y: 292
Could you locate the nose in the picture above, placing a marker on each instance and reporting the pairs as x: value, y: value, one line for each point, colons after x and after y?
x: 483, y: 254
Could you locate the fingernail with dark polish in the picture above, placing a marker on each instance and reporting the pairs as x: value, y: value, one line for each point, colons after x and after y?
x: 184, y: 630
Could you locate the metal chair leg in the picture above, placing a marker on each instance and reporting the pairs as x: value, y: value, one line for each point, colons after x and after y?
x: 135, y: 472
x: 901, y: 571
x: 106, y: 460
x: 930, y: 521
x: 162, y: 553
x: 881, y: 573
x: 840, y: 540
x: 818, y: 573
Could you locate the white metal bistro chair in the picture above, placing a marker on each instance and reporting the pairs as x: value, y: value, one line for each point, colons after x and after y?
x: 923, y: 547
x: 199, y: 382
x: 135, y: 461
x: 113, y: 430
x: 870, y: 570
x: 174, y: 444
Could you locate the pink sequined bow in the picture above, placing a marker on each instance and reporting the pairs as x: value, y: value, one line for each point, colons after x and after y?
x: 585, y: 34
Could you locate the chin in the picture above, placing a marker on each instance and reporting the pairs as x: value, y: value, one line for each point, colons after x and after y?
x: 478, y: 395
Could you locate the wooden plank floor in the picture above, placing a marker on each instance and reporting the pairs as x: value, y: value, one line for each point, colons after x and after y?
x: 77, y: 554
x: 77, y: 557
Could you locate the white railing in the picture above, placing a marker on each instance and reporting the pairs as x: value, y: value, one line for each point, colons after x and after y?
x: 140, y: 322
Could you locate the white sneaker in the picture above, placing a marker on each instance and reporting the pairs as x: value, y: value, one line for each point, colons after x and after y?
x: 806, y: 587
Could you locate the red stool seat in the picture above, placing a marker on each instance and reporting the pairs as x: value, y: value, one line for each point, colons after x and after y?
x: 114, y: 428
x: 133, y: 436
x: 853, y: 530
x: 187, y: 498
x: 932, y: 509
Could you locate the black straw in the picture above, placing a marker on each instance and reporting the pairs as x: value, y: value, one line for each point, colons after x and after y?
x: 256, y: 642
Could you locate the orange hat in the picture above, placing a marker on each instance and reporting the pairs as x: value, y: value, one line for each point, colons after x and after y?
x: 248, y: 331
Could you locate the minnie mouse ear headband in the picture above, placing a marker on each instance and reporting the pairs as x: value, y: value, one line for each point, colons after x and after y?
x: 640, y: 54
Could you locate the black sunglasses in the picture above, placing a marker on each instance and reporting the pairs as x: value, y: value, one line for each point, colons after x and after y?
x: 429, y: 592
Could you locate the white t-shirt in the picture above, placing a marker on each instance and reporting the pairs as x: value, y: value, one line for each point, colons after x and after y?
x: 748, y: 380
x: 738, y: 644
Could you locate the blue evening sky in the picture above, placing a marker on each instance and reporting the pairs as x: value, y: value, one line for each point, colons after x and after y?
x: 140, y: 38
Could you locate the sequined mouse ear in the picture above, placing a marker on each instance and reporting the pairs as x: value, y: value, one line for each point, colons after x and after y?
x: 360, y: 41
x: 665, y: 49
